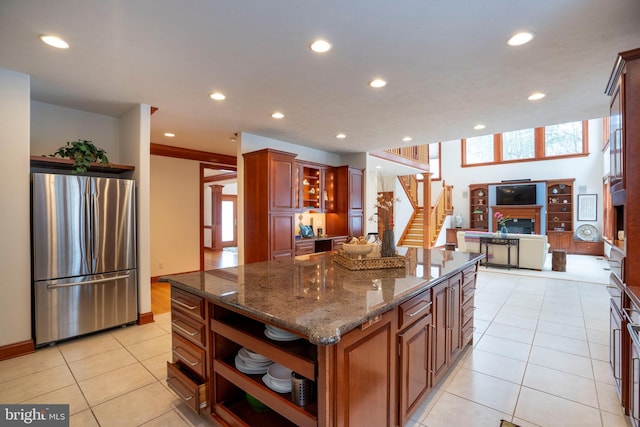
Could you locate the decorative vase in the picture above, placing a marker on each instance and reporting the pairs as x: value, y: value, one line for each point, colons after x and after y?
x: 388, y: 243
x: 503, y: 231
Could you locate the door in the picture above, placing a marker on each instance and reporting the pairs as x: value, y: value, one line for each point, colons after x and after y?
x: 113, y: 227
x: 229, y: 222
x: 60, y: 226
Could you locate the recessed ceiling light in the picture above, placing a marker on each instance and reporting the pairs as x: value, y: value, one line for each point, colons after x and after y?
x: 218, y: 96
x: 536, y: 96
x: 377, y: 83
x: 407, y: 139
x: 169, y: 134
x: 320, y: 46
x: 479, y: 127
x: 520, y: 39
x: 341, y: 136
x: 54, y: 41
x: 277, y: 115
x: 378, y: 167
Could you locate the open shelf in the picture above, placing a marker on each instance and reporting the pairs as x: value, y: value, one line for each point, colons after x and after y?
x: 67, y: 164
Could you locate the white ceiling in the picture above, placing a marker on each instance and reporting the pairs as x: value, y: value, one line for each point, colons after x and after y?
x: 446, y: 61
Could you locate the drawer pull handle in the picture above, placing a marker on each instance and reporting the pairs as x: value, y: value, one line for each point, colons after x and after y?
x: 184, y: 330
x: 182, y: 396
x: 181, y: 304
x: 419, y: 310
x: 176, y: 351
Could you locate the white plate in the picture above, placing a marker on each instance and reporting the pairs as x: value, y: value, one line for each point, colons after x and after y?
x: 278, y: 331
x: 279, y: 373
x: 244, y: 368
x: 252, y: 355
x: 266, y: 379
x: 248, y: 360
x: 270, y: 334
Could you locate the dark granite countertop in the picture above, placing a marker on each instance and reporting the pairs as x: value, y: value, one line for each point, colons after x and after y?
x: 317, y: 298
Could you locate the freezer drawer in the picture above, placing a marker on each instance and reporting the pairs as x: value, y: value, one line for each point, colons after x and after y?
x: 71, y: 307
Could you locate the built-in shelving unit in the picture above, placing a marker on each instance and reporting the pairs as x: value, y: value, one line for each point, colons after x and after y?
x: 479, y: 206
x: 560, y: 214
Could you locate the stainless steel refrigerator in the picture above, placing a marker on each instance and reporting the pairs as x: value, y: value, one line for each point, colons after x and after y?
x: 84, y: 255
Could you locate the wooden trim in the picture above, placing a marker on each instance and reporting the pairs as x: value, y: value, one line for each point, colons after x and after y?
x: 538, y: 136
x: 17, y: 349
x: 221, y: 177
x: 155, y: 278
x: 201, y: 191
x: 144, y: 318
x: 230, y: 162
x: 622, y: 59
x: 497, y: 148
x: 400, y: 160
x: 67, y: 164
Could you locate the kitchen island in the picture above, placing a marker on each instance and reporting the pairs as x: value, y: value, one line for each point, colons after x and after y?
x: 374, y: 342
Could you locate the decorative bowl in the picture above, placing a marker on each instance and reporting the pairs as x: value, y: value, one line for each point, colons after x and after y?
x: 356, y: 249
x: 256, y: 404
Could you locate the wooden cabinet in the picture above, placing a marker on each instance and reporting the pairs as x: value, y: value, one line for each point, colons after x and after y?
x: 588, y: 248
x: 479, y: 206
x: 414, y: 345
x: 560, y: 214
x: 447, y: 334
x: 187, y: 373
x: 365, y: 374
x: 345, y: 201
x: 270, y: 203
x: 311, y: 187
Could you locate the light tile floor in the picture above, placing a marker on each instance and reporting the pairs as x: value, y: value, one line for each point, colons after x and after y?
x: 540, y: 358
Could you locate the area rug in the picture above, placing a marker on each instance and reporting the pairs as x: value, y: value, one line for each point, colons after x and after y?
x: 231, y: 249
x: 580, y: 268
x: 505, y: 423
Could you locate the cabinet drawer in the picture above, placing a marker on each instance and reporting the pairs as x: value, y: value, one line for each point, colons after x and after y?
x: 191, y: 356
x: 467, y: 333
x: 188, y: 327
x: 338, y: 242
x: 589, y: 248
x: 304, y: 248
x: 188, y: 303
x: 414, y: 309
x: 467, y: 312
x: 469, y: 277
x: 192, y: 393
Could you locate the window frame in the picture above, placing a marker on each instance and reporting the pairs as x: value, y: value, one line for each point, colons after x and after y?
x: 539, y: 137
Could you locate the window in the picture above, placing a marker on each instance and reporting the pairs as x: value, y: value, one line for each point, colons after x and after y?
x: 519, y: 144
x: 545, y: 143
x: 563, y: 139
x: 479, y: 149
x: 434, y: 161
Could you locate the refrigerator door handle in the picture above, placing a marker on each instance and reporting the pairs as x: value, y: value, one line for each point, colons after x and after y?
x: 94, y: 229
x: 88, y: 282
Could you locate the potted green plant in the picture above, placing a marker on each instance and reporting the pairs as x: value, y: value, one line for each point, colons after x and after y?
x: 83, y: 153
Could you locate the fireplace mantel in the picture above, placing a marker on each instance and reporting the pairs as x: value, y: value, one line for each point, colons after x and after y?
x: 531, y: 212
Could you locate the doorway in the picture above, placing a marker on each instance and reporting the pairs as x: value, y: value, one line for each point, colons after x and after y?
x: 218, y: 213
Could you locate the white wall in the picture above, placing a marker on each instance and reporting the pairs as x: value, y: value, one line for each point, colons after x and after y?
x: 175, y: 215
x: 52, y: 126
x: 15, y: 258
x: 587, y: 172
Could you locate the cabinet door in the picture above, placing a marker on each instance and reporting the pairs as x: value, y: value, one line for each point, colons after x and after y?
x: 366, y: 361
x: 439, y: 349
x: 281, y: 235
x: 453, y: 314
x: 616, y: 143
x: 415, y: 366
x: 281, y: 179
x: 356, y: 189
x: 615, y: 344
x: 356, y: 224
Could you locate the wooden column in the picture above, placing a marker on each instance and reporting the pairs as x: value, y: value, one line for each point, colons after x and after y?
x: 427, y: 236
x: 216, y: 217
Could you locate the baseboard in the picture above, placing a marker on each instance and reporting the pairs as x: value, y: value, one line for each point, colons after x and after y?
x: 17, y: 349
x: 144, y: 318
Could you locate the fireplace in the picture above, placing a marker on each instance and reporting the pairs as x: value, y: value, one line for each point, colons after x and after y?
x: 528, y: 218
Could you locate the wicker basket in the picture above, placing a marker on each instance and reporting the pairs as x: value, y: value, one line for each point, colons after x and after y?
x: 363, y: 263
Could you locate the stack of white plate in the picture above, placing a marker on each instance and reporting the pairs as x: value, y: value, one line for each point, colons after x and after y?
x: 251, y: 363
x: 278, y: 334
x: 278, y: 378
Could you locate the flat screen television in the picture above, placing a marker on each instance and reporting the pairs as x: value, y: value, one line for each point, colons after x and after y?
x: 524, y: 194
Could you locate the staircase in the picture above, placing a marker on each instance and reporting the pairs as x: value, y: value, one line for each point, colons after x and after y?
x: 414, y: 232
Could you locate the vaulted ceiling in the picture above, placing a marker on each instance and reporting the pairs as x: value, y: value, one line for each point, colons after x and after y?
x: 446, y: 62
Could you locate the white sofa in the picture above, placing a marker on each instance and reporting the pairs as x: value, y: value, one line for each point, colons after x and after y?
x: 533, y: 248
